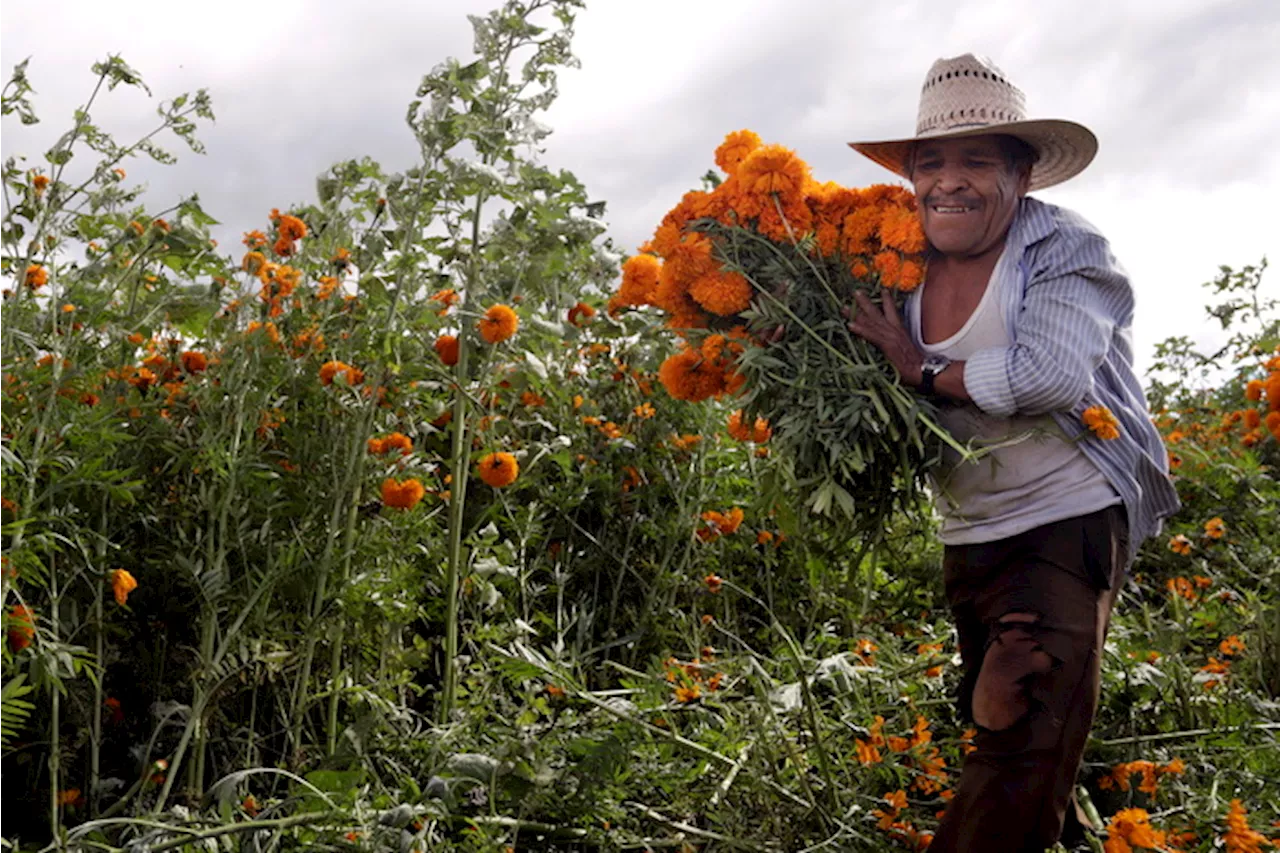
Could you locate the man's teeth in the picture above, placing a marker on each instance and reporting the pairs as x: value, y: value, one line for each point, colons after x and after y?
x: 941, y: 209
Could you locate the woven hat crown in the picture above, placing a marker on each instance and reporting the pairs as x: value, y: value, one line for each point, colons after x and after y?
x: 966, y: 92
x: 969, y: 96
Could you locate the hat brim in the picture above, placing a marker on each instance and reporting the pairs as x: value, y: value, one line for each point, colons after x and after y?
x: 1065, y: 147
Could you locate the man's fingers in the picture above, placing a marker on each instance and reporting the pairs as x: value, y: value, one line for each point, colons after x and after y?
x: 890, y: 310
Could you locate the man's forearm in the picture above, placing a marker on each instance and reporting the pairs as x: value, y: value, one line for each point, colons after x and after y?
x: 950, y: 383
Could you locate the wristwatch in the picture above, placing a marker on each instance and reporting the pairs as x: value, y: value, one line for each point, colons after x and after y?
x: 929, y: 370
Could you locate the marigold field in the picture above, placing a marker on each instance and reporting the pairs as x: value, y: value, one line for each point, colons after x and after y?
x: 381, y: 531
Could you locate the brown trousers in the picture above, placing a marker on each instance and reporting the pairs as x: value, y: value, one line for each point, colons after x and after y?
x: 1040, y: 688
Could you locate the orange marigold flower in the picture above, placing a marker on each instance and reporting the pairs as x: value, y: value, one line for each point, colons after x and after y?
x: 1180, y: 545
x: 283, y: 247
x: 773, y: 169
x: 40, y: 183
x: 688, y: 693
x: 1239, y: 838
x: 447, y: 348
x: 644, y: 411
x: 1132, y: 828
x: 714, y: 583
x: 137, y: 227
x: 498, y: 324
x: 253, y: 262
x: 735, y: 148
x: 70, y: 797
x: 640, y: 276
x: 402, y: 495
x: 331, y: 369
x: 555, y: 692
x: 194, y: 362
x: 1253, y: 390
x: 580, y: 313
x: 36, y: 276
x: 900, y: 229
x: 255, y: 240
x: 529, y: 398
x: 397, y: 441
x: 1102, y: 422
x: 22, y: 627
x: 291, y: 228
x: 866, y: 753
x: 498, y: 469
x: 122, y: 583
x: 1273, y: 424
x: 1215, y: 528
x: 722, y: 293
x: 1232, y: 645
x: 160, y: 225
x: 688, y: 376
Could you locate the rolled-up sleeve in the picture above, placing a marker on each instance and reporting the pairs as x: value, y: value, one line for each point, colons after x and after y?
x: 1076, y: 294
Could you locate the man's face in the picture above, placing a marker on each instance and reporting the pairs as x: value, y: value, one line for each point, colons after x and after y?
x: 968, y: 193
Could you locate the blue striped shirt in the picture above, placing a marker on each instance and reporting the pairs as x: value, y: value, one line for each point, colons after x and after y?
x: 1070, y: 317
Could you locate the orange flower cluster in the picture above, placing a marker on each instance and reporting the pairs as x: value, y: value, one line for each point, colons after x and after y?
x: 720, y: 524
x: 402, y: 494
x: 580, y: 314
x: 759, y: 432
x: 1239, y: 838
x: 769, y: 189
x: 1268, y: 388
x: 122, y: 583
x: 446, y: 298
x: 1131, y: 829
x: 1188, y: 588
x: 289, y: 229
x: 394, y: 441
x: 690, y: 678
x: 498, y: 323
x: 699, y: 372
x: 1102, y: 422
x: 498, y: 469
x: 447, y: 348
x: 36, y: 276
x: 1150, y: 772
x: 331, y: 369
x: 890, y: 820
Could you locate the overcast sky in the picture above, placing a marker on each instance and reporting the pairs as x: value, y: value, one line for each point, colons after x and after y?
x: 1183, y: 95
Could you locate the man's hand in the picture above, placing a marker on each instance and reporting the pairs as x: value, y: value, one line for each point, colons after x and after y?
x: 885, y: 330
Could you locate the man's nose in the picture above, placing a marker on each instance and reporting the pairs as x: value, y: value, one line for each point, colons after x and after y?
x: 951, y: 179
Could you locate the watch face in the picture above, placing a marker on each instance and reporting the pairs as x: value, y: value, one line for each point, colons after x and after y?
x: 936, y: 363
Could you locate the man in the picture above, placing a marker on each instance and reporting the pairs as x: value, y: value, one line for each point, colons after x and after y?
x: 1022, y: 324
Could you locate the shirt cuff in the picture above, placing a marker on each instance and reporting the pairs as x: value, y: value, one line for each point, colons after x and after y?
x: 986, y: 379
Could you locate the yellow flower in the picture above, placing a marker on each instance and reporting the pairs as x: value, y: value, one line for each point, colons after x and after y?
x: 1102, y: 422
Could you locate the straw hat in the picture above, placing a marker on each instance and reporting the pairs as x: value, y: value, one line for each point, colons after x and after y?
x: 969, y: 96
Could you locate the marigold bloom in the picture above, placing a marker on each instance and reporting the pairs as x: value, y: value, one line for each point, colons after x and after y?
x: 291, y: 228
x: 40, y: 183
x: 137, y: 227
x: 773, y: 169
x: 1215, y: 528
x: 402, y: 495
x: 1253, y: 390
x: 254, y: 240
x: 330, y: 370
x: 735, y: 148
x: 688, y: 693
x: 866, y: 753
x: 644, y: 411
x: 498, y: 469
x: 714, y: 583
x: 1180, y: 545
x: 1102, y: 422
x: 1232, y: 645
x: 688, y: 376
x: 640, y: 276
x: 447, y: 348
x: 22, y: 627
x: 122, y: 583
x: 283, y: 247
x: 722, y: 293
x: 580, y: 313
x: 1273, y: 424
x: 1239, y: 838
x: 194, y: 362
x: 36, y: 276
x: 1130, y: 828
x: 498, y: 324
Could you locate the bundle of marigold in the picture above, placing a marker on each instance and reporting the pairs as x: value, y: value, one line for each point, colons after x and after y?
x: 755, y: 276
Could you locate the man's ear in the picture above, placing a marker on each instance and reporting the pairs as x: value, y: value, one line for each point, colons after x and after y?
x: 1024, y: 181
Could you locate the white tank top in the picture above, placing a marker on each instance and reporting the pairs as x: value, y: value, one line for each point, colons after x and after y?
x: 1039, y: 478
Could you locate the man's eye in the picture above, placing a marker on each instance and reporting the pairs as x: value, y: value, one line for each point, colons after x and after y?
x: 927, y: 164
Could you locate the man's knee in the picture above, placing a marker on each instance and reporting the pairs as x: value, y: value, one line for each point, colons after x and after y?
x: 1014, y: 656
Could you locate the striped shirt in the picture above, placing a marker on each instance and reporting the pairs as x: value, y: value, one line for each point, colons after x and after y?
x: 1070, y: 318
